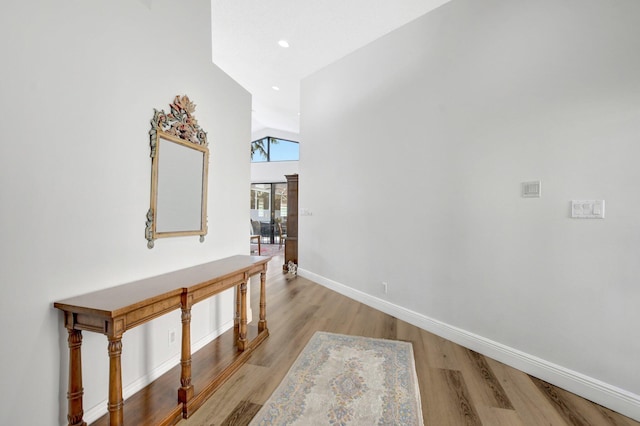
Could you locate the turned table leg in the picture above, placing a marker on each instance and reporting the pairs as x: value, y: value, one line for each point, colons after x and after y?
x: 242, y: 337
x: 236, y: 318
x: 186, y: 389
x: 262, y: 323
x: 75, y: 393
x: 116, y: 403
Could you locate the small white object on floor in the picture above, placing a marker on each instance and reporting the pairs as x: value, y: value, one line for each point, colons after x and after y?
x: 292, y: 270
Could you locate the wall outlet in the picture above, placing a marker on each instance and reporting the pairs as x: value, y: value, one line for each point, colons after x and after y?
x: 385, y: 287
x: 172, y: 336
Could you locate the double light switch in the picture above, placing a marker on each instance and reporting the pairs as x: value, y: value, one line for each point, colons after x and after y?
x: 587, y: 209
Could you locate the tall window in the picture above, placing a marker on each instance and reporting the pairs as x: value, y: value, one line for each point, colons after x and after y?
x: 273, y: 149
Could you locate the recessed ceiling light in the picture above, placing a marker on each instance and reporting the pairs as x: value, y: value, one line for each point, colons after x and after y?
x: 283, y: 43
x: 276, y: 88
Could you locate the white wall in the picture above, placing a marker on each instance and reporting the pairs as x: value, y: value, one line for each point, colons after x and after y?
x: 414, y: 151
x: 79, y: 84
x: 273, y: 171
x: 276, y: 133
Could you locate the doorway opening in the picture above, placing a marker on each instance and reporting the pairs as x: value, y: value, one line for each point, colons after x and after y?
x: 269, y: 212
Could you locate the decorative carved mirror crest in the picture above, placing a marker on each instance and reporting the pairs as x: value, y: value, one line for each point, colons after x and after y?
x: 179, y: 174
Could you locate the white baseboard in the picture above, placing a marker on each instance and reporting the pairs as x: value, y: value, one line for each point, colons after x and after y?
x: 100, y: 409
x: 612, y: 397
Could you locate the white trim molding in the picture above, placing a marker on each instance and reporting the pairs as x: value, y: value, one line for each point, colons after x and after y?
x: 619, y: 400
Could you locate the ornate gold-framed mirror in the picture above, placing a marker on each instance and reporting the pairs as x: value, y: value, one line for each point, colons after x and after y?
x: 179, y: 174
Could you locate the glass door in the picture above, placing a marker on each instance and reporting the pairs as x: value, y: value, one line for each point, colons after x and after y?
x: 269, y: 211
x: 280, y: 213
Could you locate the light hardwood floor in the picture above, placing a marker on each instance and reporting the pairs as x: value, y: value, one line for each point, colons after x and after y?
x: 457, y: 386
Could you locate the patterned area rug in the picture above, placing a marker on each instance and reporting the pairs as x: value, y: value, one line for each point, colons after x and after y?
x: 347, y: 380
x: 267, y: 249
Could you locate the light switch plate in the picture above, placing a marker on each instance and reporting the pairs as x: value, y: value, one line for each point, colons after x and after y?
x: 531, y: 189
x: 587, y: 209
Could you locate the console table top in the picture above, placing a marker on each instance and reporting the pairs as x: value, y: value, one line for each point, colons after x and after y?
x: 114, y: 301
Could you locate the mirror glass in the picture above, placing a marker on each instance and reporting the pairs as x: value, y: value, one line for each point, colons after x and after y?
x: 179, y: 203
x: 179, y: 174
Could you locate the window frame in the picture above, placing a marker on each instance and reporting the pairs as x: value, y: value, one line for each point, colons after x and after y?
x: 268, y: 140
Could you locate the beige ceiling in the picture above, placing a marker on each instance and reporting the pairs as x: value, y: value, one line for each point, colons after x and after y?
x: 245, y: 35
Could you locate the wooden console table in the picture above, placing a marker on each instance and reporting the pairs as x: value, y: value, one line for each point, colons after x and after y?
x: 115, y: 310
